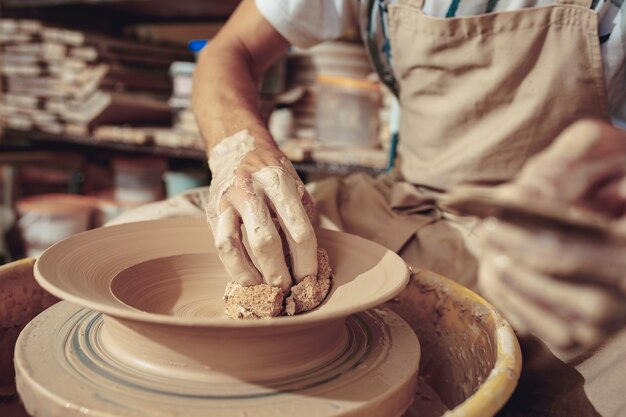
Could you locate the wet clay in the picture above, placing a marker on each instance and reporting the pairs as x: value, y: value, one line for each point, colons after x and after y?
x: 265, y: 301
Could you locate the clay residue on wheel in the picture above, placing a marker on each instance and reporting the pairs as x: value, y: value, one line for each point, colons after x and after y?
x: 265, y: 301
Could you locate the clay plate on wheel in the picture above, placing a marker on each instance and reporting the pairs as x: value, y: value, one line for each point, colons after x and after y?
x: 103, y: 268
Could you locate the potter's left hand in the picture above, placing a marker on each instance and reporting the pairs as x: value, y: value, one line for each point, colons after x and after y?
x: 568, y: 289
x: 585, y: 166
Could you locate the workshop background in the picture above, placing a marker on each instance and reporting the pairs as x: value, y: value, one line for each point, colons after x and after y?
x: 95, y: 111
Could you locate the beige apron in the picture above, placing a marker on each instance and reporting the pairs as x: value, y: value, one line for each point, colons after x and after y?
x: 479, y: 96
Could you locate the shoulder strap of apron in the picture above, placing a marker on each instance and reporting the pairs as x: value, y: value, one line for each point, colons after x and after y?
x: 582, y: 3
x: 418, y: 4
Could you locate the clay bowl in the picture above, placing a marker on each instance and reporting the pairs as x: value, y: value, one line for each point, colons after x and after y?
x: 21, y: 299
x: 159, y: 285
x: 470, y: 355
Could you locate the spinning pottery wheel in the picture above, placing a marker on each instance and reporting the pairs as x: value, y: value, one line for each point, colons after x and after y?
x: 142, y: 333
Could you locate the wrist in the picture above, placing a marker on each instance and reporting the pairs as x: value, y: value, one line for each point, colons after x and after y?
x: 231, y: 147
x: 235, y: 148
x: 223, y: 130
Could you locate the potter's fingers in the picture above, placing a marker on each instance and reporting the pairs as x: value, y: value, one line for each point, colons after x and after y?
x: 493, y: 290
x: 537, y: 317
x: 226, y: 228
x: 263, y: 238
x: 586, y: 334
x: 619, y: 228
x: 282, y: 192
x: 585, y: 179
x: 540, y: 323
x: 309, y: 206
x: 307, y: 200
x: 606, y: 199
x: 588, y: 149
x: 599, y: 152
x: 570, y: 300
x: 552, y: 328
x: 567, y: 256
x: 288, y: 166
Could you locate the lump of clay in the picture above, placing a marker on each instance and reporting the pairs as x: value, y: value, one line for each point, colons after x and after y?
x: 265, y: 301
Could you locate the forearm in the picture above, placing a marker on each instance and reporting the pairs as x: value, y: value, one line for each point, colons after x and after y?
x: 225, y: 86
x: 225, y: 96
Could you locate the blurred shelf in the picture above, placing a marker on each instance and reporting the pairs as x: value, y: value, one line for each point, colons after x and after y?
x: 19, y: 137
x: 307, y: 159
x: 130, y: 10
x: 45, y: 3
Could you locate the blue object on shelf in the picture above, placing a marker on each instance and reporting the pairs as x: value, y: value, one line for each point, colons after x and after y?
x: 196, y: 45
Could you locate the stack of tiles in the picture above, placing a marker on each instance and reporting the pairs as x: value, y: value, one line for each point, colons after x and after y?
x: 185, y: 132
x: 69, y: 82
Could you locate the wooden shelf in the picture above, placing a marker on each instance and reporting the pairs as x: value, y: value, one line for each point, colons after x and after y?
x: 15, y: 136
x: 47, y: 3
x: 127, y: 10
x: 305, y: 162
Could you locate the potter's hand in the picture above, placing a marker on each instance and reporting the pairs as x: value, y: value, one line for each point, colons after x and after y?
x: 585, y: 166
x: 568, y: 289
x: 251, y: 180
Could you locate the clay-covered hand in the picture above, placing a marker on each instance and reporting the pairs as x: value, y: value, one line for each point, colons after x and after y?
x: 585, y: 166
x: 567, y: 288
x: 252, y: 181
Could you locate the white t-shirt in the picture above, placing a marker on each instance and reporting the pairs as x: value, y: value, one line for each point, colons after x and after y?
x: 305, y: 23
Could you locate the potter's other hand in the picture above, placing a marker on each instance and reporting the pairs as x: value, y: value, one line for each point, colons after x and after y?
x: 585, y: 166
x: 569, y: 290
x: 252, y: 181
x: 566, y: 288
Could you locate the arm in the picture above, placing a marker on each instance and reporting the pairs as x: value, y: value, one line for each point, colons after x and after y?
x: 230, y: 67
x: 252, y: 180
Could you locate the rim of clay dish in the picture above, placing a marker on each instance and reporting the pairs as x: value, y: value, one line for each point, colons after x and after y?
x: 397, y: 281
